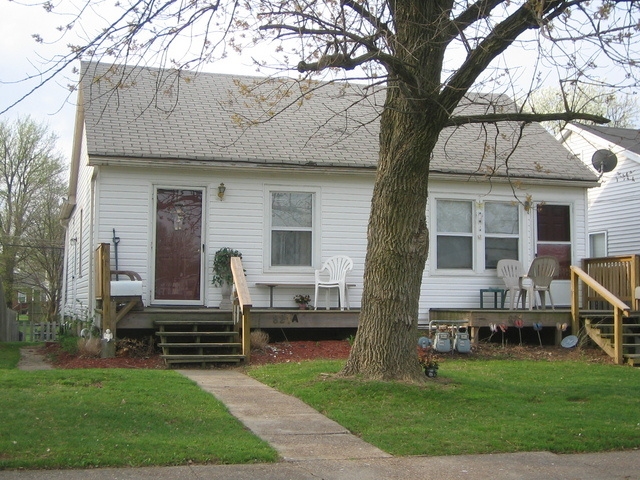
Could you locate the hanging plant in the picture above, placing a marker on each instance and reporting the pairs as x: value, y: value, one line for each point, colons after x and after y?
x: 222, y: 266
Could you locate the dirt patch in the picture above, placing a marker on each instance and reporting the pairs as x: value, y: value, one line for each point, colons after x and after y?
x: 296, y: 351
x: 301, y: 350
x: 58, y: 358
x: 589, y: 353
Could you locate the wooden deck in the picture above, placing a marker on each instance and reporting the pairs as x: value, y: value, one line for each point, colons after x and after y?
x: 263, y: 318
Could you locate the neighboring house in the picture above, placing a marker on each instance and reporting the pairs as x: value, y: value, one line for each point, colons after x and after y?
x: 614, y: 206
x: 151, y: 156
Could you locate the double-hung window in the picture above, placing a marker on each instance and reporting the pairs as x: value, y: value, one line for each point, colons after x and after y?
x: 502, y: 233
x: 292, y: 220
x: 475, y: 235
x: 454, y: 234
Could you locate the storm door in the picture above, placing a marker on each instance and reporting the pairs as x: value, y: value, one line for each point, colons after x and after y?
x: 178, y: 247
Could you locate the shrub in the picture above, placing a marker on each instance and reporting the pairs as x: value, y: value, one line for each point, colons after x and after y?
x: 259, y: 340
x: 89, y: 347
x: 68, y: 343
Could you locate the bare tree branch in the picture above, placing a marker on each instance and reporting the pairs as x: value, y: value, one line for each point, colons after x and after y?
x: 524, y: 117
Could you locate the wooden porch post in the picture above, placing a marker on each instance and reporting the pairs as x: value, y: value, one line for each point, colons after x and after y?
x: 108, y: 305
x: 575, y: 303
x: 617, y: 336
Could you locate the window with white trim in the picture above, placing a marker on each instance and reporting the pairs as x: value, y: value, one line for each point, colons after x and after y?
x: 502, y: 232
x: 454, y: 244
x: 291, y: 215
x: 475, y: 235
x: 598, y: 244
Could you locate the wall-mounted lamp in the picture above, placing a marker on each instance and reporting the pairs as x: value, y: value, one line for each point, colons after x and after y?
x: 221, y: 190
x: 73, y: 240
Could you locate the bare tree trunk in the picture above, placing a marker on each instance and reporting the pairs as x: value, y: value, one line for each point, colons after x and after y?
x: 398, y: 242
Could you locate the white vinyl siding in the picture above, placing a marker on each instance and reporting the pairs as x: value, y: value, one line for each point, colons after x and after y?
x: 124, y: 199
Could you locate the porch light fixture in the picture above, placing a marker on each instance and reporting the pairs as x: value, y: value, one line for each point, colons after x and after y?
x: 221, y: 190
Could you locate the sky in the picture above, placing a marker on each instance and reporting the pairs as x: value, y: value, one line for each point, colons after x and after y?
x: 53, y: 103
x: 20, y: 55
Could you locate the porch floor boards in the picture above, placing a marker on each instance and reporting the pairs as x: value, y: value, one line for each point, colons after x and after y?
x: 260, y: 317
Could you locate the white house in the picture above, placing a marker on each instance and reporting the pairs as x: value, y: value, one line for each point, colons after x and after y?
x: 614, y: 206
x: 154, y: 148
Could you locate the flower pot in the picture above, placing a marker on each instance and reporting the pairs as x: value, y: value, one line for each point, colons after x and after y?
x: 226, y: 290
x: 431, y: 372
x: 303, y: 306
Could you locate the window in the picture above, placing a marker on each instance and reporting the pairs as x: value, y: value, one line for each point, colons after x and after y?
x: 554, y: 235
x: 454, y: 243
x: 292, y: 228
x: 598, y: 245
x: 502, y: 233
x: 475, y: 235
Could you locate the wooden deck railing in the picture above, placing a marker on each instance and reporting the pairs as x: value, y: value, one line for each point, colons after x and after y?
x: 242, y: 305
x: 620, y: 274
x: 620, y: 309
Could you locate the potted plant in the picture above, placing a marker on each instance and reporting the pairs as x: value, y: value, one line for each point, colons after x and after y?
x: 302, y: 301
x: 222, y: 275
x: 428, y: 362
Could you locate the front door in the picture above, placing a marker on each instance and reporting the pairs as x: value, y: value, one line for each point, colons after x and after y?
x: 178, y: 247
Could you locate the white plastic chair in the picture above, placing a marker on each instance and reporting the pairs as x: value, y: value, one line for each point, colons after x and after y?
x: 336, y: 268
x: 538, y: 279
x: 510, y: 271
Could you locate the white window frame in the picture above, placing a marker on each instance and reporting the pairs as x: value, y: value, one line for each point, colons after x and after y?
x: 315, y: 228
x: 605, y: 235
x: 471, y: 235
x: 517, y: 235
x: 478, y: 235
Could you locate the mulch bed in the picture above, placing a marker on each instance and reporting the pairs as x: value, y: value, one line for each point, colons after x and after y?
x: 296, y: 351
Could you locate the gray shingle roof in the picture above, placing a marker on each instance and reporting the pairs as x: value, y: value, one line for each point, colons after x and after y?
x: 628, y: 138
x: 165, y: 115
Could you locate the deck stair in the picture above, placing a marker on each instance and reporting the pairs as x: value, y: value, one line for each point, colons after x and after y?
x: 599, y: 327
x: 204, y: 342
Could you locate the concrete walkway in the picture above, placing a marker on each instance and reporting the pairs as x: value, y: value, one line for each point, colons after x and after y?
x: 314, y: 447
x: 295, y: 430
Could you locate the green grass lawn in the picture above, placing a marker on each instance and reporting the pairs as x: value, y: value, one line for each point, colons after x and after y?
x: 115, y: 417
x: 477, y: 406
x: 118, y: 417
x: 10, y: 354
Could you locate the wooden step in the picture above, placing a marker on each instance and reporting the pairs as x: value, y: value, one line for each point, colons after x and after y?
x: 203, y: 358
x: 202, y: 345
x: 197, y: 334
x: 611, y: 325
x: 610, y: 334
x: 193, y: 322
x: 632, y: 359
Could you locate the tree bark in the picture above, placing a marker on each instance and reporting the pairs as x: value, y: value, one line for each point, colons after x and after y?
x: 398, y: 243
x: 398, y: 237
